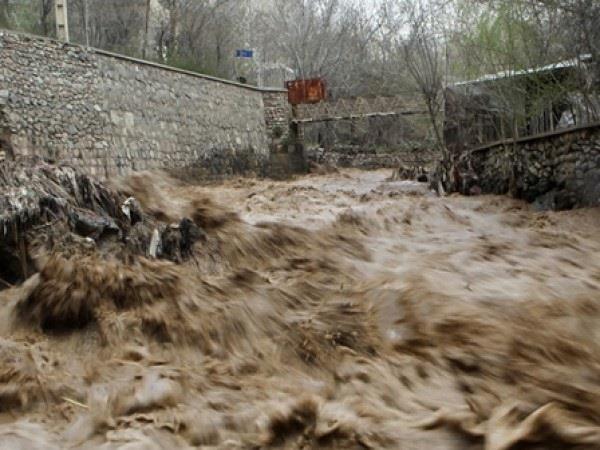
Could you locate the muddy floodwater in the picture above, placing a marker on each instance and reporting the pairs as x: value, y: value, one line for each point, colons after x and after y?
x: 336, y: 311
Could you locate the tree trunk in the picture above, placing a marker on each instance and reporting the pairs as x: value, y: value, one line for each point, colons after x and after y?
x: 146, y: 29
x: 173, y: 29
x: 4, y: 13
x: 86, y: 22
x: 44, y: 28
x: 435, y: 125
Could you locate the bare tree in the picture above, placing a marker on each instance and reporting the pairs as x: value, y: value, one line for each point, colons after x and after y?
x: 34, y: 16
x: 198, y: 34
x: 317, y: 38
x: 110, y: 24
x: 415, y: 43
x: 424, y: 61
x: 4, y: 13
x: 147, y: 16
x: 167, y: 38
x: 46, y: 17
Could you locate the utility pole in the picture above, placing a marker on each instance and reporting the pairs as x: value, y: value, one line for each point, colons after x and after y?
x: 62, y: 22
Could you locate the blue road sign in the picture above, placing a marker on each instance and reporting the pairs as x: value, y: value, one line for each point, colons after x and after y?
x: 244, y: 53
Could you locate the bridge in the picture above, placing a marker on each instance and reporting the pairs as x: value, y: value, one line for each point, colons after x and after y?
x: 357, y: 108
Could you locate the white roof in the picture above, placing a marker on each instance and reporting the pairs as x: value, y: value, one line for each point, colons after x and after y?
x: 573, y: 62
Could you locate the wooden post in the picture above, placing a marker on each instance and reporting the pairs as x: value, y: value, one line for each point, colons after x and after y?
x: 62, y: 22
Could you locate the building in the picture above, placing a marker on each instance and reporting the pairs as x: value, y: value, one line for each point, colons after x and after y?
x: 514, y: 104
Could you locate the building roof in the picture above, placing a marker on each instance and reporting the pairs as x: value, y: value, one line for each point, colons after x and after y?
x: 568, y: 63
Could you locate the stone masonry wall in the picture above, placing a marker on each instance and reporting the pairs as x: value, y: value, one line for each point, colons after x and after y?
x: 559, y: 170
x: 108, y: 114
x: 277, y: 112
x: 365, y: 158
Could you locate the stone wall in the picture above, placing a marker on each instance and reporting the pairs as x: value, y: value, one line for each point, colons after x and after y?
x: 558, y: 170
x: 385, y: 132
x: 364, y: 158
x: 109, y: 114
x: 277, y: 113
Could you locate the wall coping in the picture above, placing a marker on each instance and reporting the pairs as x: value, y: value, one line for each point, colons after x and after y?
x: 108, y: 53
x: 535, y: 137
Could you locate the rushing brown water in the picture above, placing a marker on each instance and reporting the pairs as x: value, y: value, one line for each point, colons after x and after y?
x: 334, y: 311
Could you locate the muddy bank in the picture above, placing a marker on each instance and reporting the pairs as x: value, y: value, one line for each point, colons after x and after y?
x: 46, y: 208
x: 334, y: 311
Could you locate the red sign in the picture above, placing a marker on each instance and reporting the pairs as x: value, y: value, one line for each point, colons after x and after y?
x: 306, y: 91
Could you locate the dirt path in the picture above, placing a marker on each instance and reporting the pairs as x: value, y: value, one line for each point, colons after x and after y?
x: 333, y: 311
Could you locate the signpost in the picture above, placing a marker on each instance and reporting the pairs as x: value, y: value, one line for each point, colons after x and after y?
x: 248, y: 54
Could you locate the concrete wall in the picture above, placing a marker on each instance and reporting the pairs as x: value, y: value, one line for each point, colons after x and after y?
x: 558, y: 170
x: 109, y: 114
